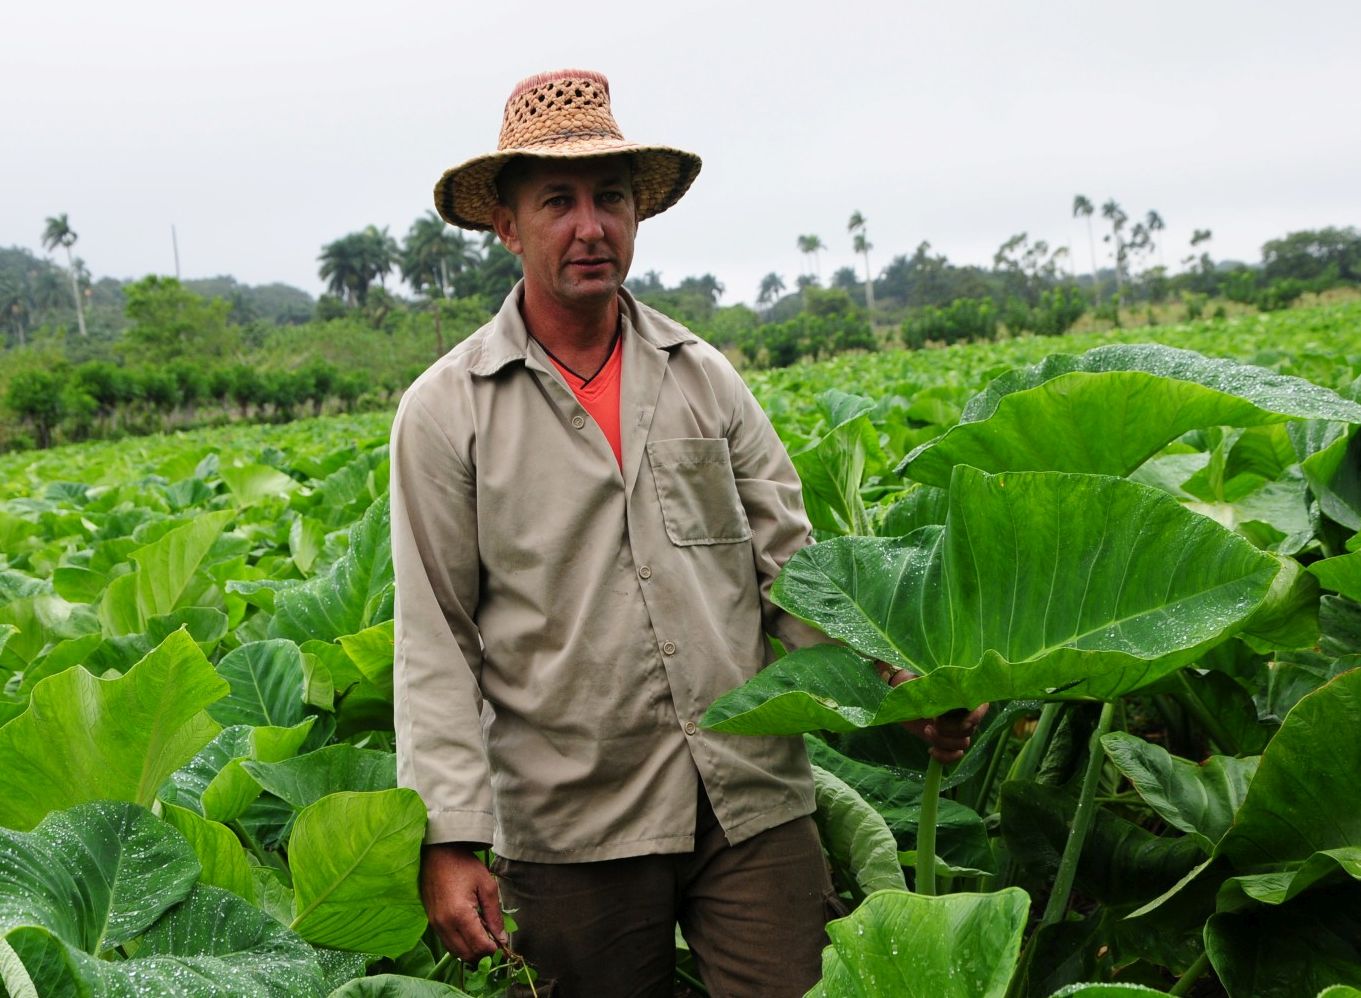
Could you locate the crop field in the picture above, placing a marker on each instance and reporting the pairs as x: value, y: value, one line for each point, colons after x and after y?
x: 1140, y: 547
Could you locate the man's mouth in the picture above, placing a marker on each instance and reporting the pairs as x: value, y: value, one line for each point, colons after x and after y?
x: 592, y: 261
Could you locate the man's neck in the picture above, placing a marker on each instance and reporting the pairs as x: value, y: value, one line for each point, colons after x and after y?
x: 579, y: 338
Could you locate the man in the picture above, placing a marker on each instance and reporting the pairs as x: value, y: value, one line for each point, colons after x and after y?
x: 588, y: 509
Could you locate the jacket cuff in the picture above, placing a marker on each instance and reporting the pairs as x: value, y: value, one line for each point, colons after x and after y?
x: 458, y: 826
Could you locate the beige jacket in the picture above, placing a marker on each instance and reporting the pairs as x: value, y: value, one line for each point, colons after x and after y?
x: 561, y: 627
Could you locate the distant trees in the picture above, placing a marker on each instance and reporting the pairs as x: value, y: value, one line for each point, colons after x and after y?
x: 862, y: 245
x: 351, y: 264
x: 812, y: 245
x: 1314, y: 254
x: 58, y: 232
x: 433, y: 254
x: 1083, y: 208
x: 772, y: 286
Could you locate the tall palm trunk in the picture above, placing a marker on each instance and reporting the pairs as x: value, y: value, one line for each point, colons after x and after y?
x: 869, y: 287
x: 75, y: 291
x: 1091, y: 244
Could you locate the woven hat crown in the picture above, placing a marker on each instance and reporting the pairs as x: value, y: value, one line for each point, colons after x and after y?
x: 564, y: 114
x: 553, y: 108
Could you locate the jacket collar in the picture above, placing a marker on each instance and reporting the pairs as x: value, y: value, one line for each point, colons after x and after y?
x: 507, y: 339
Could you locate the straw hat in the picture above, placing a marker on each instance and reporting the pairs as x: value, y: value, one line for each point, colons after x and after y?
x: 564, y: 114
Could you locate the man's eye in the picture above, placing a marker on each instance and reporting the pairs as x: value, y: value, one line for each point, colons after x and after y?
x: 612, y: 197
x: 557, y: 201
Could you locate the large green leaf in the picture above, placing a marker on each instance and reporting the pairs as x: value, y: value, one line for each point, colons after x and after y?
x: 166, y: 567
x: 396, y: 986
x: 1329, y: 866
x: 833, y: 468
x: 1121, y: 863
x: 355, y: 593
x: 266, y: 680
x: 1303, y: 799
x: 219, y: 851
x: 1038, y: 584
x: 215, y: 783
x: 1289, y: 950
x: 97, y: 874
x: 253, y: 483
x: 355, y: 857
x: 1200, y: 800
x: 1341, y: 574
x: 84, y: 738
x: 911, y: 946
x: 305, y: 779
x: 1110, y: 409
x: 855, y: 836
x: 211, y: 945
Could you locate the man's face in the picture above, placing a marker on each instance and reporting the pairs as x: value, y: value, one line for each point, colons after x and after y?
x: 572, y: 224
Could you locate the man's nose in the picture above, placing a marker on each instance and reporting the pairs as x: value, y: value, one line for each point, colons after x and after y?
x: 589, y: 229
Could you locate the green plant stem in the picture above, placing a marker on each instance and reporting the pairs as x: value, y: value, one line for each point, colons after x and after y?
x: 1193, y: 974
x: 249, y: 841
x: 1033, y: 752
x: 692, y: 981
x: 999, y: 751
x: 1082, y: 821
x: 438, y: 973
x: 926, y: 829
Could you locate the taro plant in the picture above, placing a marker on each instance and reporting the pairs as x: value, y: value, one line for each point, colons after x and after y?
x: 1035, y: 570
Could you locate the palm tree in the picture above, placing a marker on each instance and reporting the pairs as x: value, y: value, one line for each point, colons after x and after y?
x: 863, y: 246
x: 811, y: 245
x: 58, y: 232
x: 353, y: 262
x: 1083, y: 208
x: 432, y: 254
x: 772, y: 286
x: 1153, y: 222
x: 14, y: 306
x: 1112, y: 212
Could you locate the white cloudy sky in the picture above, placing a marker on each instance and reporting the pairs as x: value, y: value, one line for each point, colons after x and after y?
x: 262, y: 130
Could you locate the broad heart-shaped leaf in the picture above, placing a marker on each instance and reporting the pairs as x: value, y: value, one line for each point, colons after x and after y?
x: 1038, y: 584
x: 1109, y: 410
x: 253, y: 483
x: 166, y: 567
x: 833, y: 468
x: 219, y: 851
x: 1341, y: 574
x: 266, y: 684
x: 1104, y: 991
x: 84, y: 738
x: 214, y: 782
x: 1303, y: 799
x: 371, y: 651
x: 353, y: 594
x: 1199, y: 800
x: 856, y: 837
x: 96, y: 875
x: 396, y: 986
x: 306, y: 779
x: 1293, y: 949
x: 354, y: 858
x: 1329, y: 866
x: 910, y: 946
x: 211, y: 945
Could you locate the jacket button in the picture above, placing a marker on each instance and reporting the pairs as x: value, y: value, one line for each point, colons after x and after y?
x: 690, y: 727
x: 644, y: 572
x: 668, y: 648
x: 578, y: 421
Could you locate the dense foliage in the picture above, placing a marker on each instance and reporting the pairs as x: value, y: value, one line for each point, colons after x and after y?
x: 1146, y: 559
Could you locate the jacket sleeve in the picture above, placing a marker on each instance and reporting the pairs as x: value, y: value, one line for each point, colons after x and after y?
x: 772, y: 496
x: 438, y: 657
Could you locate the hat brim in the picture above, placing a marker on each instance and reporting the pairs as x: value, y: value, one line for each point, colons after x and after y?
x: 466, y: 194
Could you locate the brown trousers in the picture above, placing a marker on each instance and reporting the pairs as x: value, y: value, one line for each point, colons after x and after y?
x: 754, y: 916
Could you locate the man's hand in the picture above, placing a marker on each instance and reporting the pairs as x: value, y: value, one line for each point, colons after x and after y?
x: 462, y: 900
x: 949, y: 734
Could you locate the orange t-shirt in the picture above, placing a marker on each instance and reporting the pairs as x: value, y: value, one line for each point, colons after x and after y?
x: 599, y: 395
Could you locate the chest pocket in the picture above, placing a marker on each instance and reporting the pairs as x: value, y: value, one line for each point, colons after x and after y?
x: 697, y: 491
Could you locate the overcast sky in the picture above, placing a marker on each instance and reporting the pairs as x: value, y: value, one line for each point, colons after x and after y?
x: 262, y: 130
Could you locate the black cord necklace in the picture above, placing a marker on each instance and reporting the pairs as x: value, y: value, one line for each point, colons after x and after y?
x: 614, y: 342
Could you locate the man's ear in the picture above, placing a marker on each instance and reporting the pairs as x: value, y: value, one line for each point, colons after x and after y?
x: 503, y: 224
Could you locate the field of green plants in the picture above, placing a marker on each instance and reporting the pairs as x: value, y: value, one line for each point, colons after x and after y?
x: 1146, y: 558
